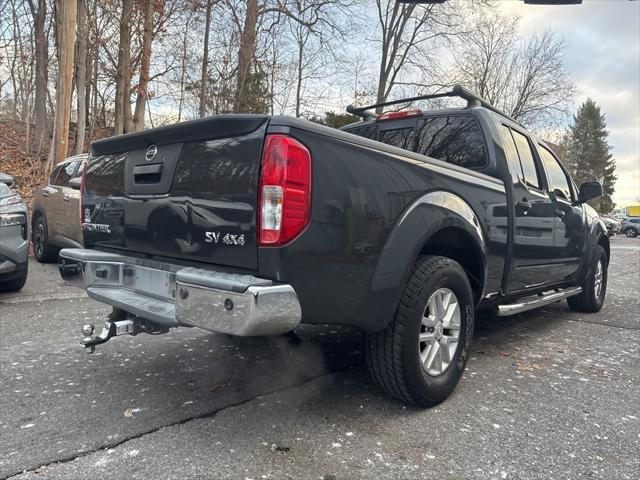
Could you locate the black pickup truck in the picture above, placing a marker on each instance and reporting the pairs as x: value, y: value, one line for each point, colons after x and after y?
x: 403, y: 225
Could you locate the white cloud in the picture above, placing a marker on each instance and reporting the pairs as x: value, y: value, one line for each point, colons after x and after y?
x: 603, y: 52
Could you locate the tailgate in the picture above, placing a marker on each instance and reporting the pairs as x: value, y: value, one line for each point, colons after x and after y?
x: 186, y: 191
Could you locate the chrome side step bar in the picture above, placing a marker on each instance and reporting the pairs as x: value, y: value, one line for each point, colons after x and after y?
x: 529, y: 303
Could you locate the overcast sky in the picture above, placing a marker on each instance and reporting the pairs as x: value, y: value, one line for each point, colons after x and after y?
x: 603, y: 53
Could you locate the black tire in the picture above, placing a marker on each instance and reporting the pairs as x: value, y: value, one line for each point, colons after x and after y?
x: 631, y: 232
x: 16, y: 283
x: 393, y: 354
x: 588, y: 300
x: 42, y: 249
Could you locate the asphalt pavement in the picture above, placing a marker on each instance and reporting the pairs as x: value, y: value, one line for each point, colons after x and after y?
x: 547, y: 394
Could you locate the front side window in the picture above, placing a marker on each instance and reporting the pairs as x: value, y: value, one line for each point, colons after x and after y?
x: 65, y: 174
x: 526, y: 160
x: 511, y: 153
x: 398, y: 137
x: 54, y: 174
x: 558, y: 183
x: 453, y: 139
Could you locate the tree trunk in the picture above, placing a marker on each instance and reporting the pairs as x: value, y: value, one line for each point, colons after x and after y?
x: 123, y: 73
x: 67, y: 14
x: 42, y: 74
x: 145, y: 63
x: 205, y: 60
x: 81, y: 76
x: 246, y: 53
x: 299, y: 79
x: 183, y: 69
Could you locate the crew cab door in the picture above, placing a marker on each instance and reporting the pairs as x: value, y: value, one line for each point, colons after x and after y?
x: 533, y: 252
x: 53, y: 201
x: 569, y: 226
x: 68, y: 222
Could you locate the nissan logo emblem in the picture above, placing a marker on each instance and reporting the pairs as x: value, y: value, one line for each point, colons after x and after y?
x: 151, y: 153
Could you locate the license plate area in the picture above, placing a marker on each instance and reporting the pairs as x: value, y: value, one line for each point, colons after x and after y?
x: 138, y: 278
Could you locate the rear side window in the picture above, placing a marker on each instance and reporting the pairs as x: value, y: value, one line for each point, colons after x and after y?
x: 65, y: 174
x: 526, y: 159
x: 558, y: 183
x: 453, y: 139
x: 368, y: 131
x: 398, y: 137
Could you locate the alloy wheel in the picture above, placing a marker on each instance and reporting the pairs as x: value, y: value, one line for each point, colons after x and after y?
x: 439, y: 332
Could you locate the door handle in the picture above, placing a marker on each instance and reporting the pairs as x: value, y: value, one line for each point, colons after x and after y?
x: 559, y: 213
x: 45, y: 192
x: 523, y: 204
x: 66, y: 198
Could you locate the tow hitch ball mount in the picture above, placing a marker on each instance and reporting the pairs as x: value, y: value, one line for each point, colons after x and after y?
x: 110, y: 329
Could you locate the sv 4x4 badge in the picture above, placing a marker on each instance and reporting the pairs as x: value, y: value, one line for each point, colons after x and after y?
x: 227, y: 239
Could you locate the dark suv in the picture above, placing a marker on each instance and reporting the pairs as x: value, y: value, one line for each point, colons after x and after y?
x: 56, y: 207
x: 631, y: 227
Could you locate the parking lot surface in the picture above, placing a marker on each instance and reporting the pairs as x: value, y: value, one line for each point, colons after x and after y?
x: 546, y: 394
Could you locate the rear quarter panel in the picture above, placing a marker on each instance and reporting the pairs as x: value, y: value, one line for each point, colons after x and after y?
x: 360, y: 190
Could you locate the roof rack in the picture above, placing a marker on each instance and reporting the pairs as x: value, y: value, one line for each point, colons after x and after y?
x: 473, y: 100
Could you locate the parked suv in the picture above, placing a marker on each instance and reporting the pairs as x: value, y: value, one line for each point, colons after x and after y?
x: 631, y: 226
x: 14, y: 238
x: 56, y: 207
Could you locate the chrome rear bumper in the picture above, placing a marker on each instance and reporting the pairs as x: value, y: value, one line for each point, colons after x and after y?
x: 171, y: 295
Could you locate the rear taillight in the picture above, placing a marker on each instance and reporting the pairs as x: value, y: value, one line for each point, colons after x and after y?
x: 285, y: 190
x: 84, y: 172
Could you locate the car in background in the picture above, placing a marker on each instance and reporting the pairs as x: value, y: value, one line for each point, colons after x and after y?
x: 55, y: 219
x: 14, y: 237
x: 631, y: 226
x: 612, y: 224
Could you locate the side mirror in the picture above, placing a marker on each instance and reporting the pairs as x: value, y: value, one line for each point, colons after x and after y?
x: 6, y: 179
x: 589, y: 190
x: 75, y: 183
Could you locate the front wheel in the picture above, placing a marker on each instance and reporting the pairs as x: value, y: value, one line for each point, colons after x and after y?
x: 42, y: 249
x: 594, y: 289
x: 17, y: 281
x: 419, y: 358
x: 631, y: 232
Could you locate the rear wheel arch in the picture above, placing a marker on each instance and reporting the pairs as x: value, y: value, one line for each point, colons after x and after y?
x: 458, y: 244
x: 603, y: 240
x: 424, y: 229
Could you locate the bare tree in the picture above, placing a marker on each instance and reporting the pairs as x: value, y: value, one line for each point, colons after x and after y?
x: 527, y: 79
x: 81, y: 76
x: 315, y: 29
x: 408, y: 33
x: 66, y: 15
x: 205, y: 58
x: 42, y: 73
x: 145, y: 65
x: 123, y: 71
x: 246, y: 52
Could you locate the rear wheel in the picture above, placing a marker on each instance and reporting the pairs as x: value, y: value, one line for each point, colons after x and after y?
x: 17, y: 282
x: 594, y: 289
x: 42, y: 249
x: 419, y: 358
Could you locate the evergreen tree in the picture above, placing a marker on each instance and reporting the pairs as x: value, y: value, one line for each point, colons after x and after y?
x: 588, y: 153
